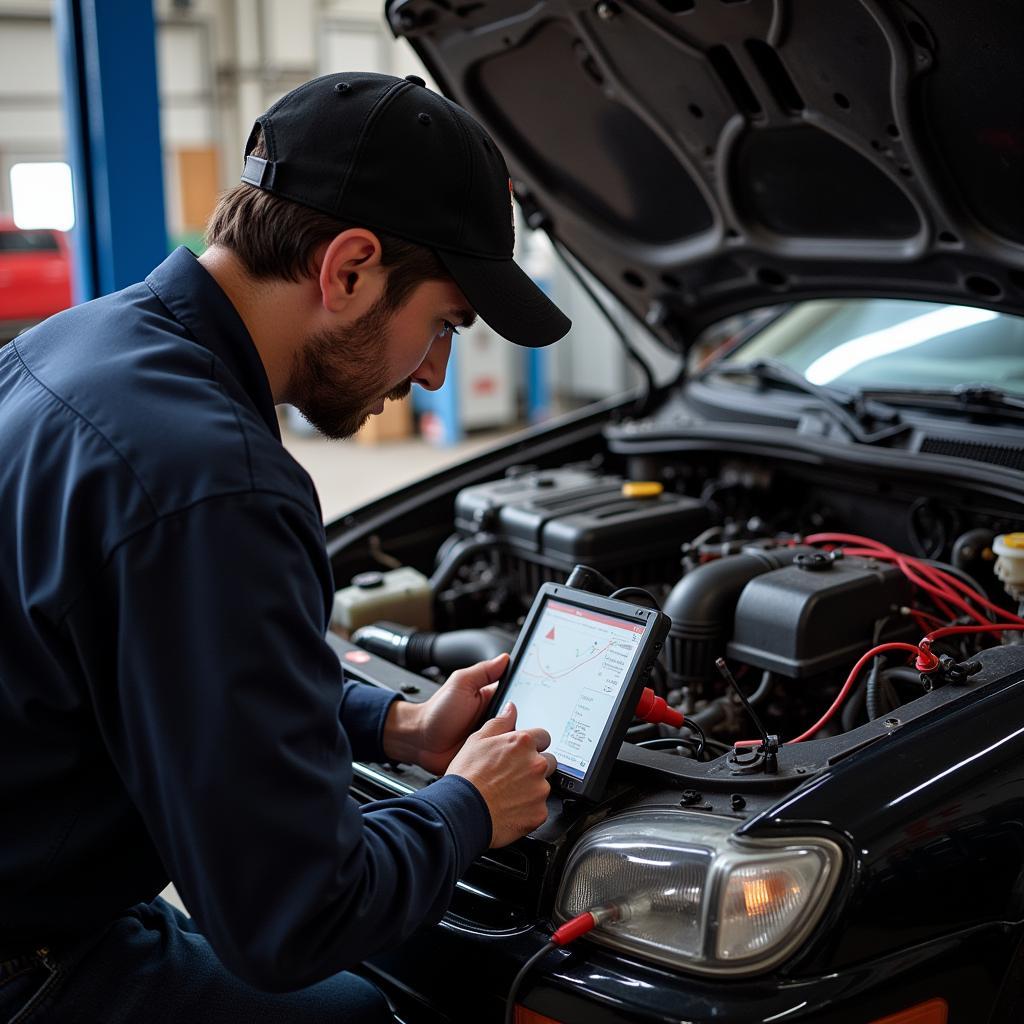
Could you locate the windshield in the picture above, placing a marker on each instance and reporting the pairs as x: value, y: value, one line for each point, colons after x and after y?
x: 859, y: 344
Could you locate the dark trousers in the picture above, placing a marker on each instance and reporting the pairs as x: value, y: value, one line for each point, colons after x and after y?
x: 152, y: 967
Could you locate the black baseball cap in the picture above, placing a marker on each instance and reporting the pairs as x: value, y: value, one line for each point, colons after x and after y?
x: 389, y: 154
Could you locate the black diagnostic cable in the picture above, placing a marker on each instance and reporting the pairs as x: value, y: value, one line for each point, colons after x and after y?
x: 623, y: 592
x: 568, y: 932
x: 728, y: 677
x: 513, y: 992
x: 702, y: 740
x: 659, y: 678
x: 763, y: 688
x: 659, y: 741
x: 670, y: 742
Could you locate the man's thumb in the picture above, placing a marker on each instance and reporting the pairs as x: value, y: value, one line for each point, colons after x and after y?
x: 483, y: 673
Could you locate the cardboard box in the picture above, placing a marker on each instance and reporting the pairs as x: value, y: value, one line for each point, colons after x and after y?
x: 393, y: 424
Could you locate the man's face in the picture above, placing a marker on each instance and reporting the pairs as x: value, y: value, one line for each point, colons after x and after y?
x: 344, y: 375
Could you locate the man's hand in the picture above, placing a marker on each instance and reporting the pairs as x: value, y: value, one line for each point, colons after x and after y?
x: 432, y: 733
x: 507, y: 767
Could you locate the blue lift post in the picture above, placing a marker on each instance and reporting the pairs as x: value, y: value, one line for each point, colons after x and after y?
x: 444, y: 426
x: 112, y: 116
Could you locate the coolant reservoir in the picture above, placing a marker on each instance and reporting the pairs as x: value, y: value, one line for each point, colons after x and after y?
x: 401, y: 595
x: 1009, y: 550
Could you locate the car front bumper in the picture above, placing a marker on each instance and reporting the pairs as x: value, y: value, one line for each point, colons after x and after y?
x: 450, y: 973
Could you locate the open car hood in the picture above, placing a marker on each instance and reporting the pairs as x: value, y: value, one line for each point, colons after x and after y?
x: 702, y: 157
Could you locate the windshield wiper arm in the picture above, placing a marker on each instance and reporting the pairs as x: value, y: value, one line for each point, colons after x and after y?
x: 856, y: 421
x: 974, y: 398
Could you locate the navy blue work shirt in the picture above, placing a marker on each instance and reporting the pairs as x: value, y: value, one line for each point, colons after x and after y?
x: 169, y: 707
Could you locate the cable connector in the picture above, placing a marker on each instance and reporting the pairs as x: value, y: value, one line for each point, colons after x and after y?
x: 926, y: 660
x: 950, y: 671
x: 590, y: 919
x: 585, y: 922
x: 653, y: 709
x: 574, y: 929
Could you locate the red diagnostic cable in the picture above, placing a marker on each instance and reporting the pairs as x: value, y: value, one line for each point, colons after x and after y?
x: 655, y: 710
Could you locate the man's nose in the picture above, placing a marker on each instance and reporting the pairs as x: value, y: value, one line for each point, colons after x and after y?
x: 430, y: 374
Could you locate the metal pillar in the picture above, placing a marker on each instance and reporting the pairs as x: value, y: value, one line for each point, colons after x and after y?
x: 112, y: 113
x: 441, y: 422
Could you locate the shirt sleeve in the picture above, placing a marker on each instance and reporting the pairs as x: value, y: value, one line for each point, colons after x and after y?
x: 218, y: 699
x: 363, y: 711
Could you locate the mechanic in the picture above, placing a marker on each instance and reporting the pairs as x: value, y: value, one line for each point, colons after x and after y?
x: 169, y: 707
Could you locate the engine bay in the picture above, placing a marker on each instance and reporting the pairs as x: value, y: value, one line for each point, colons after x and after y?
x: 788, y: 577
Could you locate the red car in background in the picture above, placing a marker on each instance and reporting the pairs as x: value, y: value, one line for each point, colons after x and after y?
x: 35, y: 276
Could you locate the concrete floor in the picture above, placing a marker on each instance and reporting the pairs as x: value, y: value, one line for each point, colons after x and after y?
x: 347, y: 474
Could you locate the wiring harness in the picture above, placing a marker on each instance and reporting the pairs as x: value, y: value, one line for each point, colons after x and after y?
x: 951, y: 595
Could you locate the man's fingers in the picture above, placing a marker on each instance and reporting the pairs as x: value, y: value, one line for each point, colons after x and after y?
x: 504, y: 721
x: 480, y: 675
x: 541, y: 737
x: 552, y: 765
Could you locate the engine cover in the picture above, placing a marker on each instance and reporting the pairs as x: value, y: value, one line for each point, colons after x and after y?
x: 818, y: 614
x: 546, y: 522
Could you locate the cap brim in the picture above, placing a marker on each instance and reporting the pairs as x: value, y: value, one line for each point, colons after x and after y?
x: 507, y: 300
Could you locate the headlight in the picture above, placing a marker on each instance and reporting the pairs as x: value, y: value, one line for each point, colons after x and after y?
x: 689, y: 894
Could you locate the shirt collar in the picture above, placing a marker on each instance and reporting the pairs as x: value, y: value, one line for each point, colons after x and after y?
x: 199, y: 304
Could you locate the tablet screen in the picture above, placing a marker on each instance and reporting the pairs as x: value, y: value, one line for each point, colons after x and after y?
x: 569, y: 676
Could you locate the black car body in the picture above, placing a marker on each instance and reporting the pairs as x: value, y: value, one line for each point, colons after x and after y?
x: 843, y: 162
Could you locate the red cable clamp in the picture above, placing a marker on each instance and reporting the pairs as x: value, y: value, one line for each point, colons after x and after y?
x: 653, y: 709
x: 926, y: 661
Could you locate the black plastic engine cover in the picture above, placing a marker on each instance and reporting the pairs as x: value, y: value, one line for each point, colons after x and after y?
x: 555, y: 519
x: 818, y: 615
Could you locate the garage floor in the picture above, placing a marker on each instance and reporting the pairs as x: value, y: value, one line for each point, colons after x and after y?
x: 347, y: 473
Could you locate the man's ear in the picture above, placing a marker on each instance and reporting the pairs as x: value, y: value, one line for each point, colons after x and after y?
x: 350, y: 270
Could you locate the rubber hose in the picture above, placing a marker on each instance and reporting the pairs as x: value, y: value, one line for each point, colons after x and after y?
x: 456, y: 556
x: 416, y: 650
x: 702, y: 604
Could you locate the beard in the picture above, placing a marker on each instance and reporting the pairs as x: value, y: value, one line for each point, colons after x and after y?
x: 340, y: 375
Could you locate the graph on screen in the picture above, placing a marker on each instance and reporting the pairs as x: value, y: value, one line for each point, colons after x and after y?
x: 569, y: 676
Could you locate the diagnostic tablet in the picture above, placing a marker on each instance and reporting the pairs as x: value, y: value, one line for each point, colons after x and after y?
x: 577, y: 670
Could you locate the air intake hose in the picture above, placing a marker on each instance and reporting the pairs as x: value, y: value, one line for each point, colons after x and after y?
x: 702, y: 605
x: 416, y: 650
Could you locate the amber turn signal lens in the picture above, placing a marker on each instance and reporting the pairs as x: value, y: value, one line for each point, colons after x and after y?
x: 934, y: 1011
x: 762, y: 895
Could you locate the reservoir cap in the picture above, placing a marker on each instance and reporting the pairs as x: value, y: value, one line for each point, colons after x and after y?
x: 642, y: 489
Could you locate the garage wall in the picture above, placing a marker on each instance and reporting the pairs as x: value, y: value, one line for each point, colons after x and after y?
x: 30, y: 106
x: 220, y: 64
